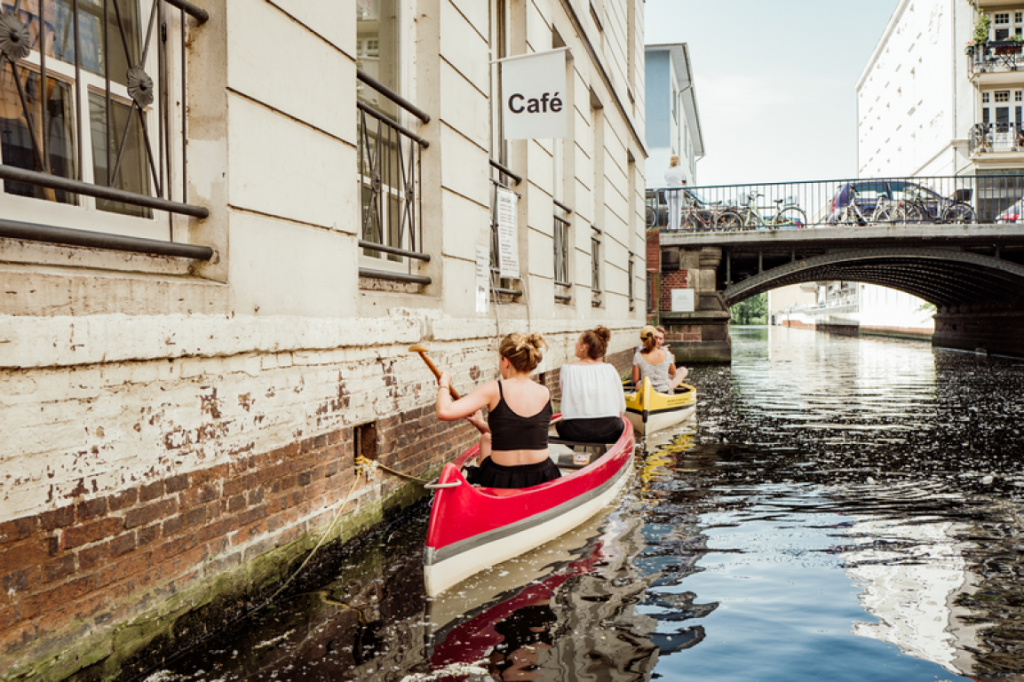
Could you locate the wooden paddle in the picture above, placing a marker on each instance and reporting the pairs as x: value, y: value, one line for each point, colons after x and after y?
x: 422, y: 350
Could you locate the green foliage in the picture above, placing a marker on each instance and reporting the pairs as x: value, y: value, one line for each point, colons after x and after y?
x: 981, y: 29
x: 926, y: 307
x: 754, y: 310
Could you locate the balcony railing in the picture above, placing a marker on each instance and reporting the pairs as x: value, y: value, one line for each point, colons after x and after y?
x: 390, y: 158
x: 79, y: 80
x: 895, y: 202
x: 997, y: 56
x: 595, y: 266
x: 562, y: 245
x: 996, y: 137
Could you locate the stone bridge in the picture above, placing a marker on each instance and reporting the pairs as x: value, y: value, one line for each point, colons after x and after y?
x: 972, y: 273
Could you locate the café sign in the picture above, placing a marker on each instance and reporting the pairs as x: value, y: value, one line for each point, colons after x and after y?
x: 534, y: 101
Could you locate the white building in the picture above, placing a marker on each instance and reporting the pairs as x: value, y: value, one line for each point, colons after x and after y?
x: 673, y: 120
x: 191, y: 363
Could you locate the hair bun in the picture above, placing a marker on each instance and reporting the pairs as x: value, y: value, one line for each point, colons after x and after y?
x: 603, y: 333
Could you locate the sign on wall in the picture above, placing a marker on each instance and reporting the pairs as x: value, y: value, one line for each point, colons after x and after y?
x: 483, y: 277
x: 508, y: 233
x: 534, y: 103
x: 682, y: 301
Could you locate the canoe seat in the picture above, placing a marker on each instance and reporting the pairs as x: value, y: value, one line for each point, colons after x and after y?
x: 564, y: 452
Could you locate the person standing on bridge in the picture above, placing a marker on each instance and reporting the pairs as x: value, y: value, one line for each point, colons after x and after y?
x: 674, y: 177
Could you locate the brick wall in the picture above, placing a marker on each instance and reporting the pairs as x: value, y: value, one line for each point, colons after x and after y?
x: 67, y: 573
x: 672, y: 279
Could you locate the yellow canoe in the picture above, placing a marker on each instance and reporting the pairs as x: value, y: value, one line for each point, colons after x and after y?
x: 650, y: 411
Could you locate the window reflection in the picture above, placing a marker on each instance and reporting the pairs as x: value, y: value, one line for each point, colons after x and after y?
x: 377, y: 50
x: 132, y: 174
x: 24, y: 147
x: 59, y: 33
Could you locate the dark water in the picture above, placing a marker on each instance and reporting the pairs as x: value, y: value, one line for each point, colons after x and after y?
x: 842, y: 509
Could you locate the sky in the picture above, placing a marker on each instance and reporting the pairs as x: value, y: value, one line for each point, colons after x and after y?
x: 775, y: 82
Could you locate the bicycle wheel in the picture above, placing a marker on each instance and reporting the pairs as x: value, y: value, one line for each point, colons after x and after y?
x: 729, y: 220
x: 790, y: 219
x: 691, y: 221
x: 960, y: 214
x: 911, y: 214
x: 885, y: 215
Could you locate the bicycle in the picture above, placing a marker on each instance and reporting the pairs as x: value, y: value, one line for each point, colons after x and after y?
x: 701, y: 217
x: 885, y: 211
x: 788, y: 215
x: 915, y: 209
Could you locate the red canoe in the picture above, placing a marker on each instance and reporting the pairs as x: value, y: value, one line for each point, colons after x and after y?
x: 474, y: 528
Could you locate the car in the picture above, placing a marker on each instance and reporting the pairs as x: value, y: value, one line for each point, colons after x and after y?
x: 916, y: 202
x: 1013, y: 214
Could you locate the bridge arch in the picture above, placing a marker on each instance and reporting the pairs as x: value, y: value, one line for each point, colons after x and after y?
x: 949, y: 278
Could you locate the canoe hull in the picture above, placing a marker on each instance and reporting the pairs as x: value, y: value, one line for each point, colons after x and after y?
x: 472, y: 529
x: 649, y: 411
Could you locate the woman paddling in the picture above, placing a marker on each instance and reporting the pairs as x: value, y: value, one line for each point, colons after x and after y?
x: 655, y: 363
x: 514, y: 440
x: 592, y: 398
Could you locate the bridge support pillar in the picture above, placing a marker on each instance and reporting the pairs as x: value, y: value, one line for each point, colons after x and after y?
x: 697, y: 334
x: 999, y: 332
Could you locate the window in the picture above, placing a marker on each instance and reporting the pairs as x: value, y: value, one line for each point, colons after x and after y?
x: 108, y: 116
x: 1002, y: 95
x: 984, y: 97
x: 388, y: 152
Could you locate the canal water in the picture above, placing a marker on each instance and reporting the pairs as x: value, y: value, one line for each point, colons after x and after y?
x: 841, y: 509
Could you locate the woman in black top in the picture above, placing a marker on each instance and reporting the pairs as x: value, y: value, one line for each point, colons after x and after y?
x: 514, y: 440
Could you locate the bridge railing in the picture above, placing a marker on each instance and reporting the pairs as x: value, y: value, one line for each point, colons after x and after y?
x: 849, y: 203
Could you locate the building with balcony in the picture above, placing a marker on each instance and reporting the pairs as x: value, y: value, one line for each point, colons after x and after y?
x: 673, y: 119
x: 223, y: 224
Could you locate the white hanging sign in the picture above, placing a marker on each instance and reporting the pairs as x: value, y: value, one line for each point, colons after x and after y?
x: 508, y: 232
x: 534, y: 104
x: 483, y: 278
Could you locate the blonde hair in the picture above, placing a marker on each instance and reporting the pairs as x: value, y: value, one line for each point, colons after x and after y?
x: 647, y: 335
x: 523, y: 350
x: 673, y: 160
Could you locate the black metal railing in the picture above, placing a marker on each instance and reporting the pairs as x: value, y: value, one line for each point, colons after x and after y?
x: 77, y: 75
x: 390, y: 162
x: 500, y: 286
x: 860, y: 202
x: 561, y: 254
x: 595, y: 266
x: 995, y: 56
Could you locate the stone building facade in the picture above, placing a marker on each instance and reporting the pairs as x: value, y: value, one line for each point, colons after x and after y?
x: 191, y: 361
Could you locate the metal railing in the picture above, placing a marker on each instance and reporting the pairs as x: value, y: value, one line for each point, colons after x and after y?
x: 595, y: 266
x: 390, y: 157
x: 850, y: 203
x: 995, y: 56
x: 91, y: 85
x: 561, y: 247
x: 630, y: 286
x: 1001, y: 136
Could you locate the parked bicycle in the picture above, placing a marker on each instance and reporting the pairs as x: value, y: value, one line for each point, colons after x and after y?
x: 700, y: 215
x: 885, y: 210
x: 788, y: 215
x: 918, y: 207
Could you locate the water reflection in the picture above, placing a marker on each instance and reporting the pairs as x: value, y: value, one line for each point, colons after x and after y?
x: 842, y: 509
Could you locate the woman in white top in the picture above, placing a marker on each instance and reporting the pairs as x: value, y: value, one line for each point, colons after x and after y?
x: 674, y: 177
x: 592, y: 399
x: 656, y: 363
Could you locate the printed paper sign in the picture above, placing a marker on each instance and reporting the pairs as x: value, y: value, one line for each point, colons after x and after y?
x: 534, y: 101
x: 682, y: 300
x: 508, y: 233
x: 483, y: 278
